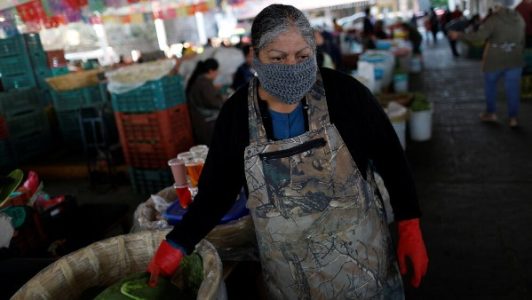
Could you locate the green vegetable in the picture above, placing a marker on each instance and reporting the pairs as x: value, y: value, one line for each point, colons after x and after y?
x: 135, y: 287
x: 420, y: 102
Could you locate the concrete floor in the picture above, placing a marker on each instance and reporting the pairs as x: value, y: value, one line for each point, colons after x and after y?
x: 474, y: 182
x: 475, y: 187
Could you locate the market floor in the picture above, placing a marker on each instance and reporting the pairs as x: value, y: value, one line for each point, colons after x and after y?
x: 475, y: 187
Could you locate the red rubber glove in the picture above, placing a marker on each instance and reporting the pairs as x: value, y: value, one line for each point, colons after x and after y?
x: 411, y: 245
x: 165, y: 262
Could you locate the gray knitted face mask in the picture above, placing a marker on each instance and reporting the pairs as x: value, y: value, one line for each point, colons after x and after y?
x: 288, y: 83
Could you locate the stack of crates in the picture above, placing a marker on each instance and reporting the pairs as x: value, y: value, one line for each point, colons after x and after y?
x: 24, y: 129
x: 154, y: 126
x: 24, y: 63
x: 68, y: 105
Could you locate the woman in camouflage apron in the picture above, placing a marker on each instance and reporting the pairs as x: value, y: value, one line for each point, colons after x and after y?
x: 321, y: 227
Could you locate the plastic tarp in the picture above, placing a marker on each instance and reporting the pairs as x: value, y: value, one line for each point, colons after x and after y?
x: 129, y: 78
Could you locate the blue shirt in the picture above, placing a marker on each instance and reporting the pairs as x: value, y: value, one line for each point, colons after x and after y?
x: 288, y: 125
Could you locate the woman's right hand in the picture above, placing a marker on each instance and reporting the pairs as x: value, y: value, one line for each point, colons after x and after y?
x: 165, y: 262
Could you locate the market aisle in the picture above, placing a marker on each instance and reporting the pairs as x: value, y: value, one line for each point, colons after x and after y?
x: 475, y: 188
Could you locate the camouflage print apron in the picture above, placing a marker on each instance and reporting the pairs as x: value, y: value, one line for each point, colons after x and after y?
x: 321, y: 228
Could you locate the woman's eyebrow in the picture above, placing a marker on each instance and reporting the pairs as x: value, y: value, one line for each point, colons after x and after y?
x: 282, y: 52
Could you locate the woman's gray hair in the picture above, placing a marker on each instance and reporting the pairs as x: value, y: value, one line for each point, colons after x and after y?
x: 276, y: 19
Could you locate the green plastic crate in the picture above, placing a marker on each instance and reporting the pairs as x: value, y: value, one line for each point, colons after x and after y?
x: 33, y: 43
x: 19, y: 101
x: 18, y: 81
x: 27, y: 124
x: 15, y: 65
x: 154, y: 95
x: 31, y: 146
x: 70, y: 127
x: 12, y: 46
x: 79, y: 98
x: 149, y: 181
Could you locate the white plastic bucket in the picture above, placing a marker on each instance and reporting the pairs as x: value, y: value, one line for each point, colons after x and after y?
x: 400, y: 130
x: 400, y: 83
x: 421, y: 125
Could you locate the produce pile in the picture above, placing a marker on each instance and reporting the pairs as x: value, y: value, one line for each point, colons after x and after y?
x: 184, y: 285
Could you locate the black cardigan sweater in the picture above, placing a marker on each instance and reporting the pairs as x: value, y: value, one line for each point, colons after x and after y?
x: 362, y: 123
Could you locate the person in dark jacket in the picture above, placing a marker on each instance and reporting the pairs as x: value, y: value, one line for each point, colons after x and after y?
x: 204, y: 100
x: 307, y: 142
x: 244, y: 73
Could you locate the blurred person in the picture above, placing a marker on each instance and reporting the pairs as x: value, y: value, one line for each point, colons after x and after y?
x: 434, y: 25
x: 244, y: 73
x: 504, y: 34
x: 204, y: 100
x: 306, y: 142
x: 367, y: 29
x: 379, y: 30
x: 412, y: 35
x: 322, y: 56
x: 455, y: 15
x: 525, y: 9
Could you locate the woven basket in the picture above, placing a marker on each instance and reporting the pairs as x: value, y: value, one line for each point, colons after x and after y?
x: 234, y: 240
x: 106, y: 262
x: 75, y: 80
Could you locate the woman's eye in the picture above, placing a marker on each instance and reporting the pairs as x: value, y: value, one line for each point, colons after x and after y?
x: 276, y: 59
x: 303, y: 57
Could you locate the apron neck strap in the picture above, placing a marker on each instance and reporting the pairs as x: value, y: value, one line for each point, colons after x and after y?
x: 318, y: 113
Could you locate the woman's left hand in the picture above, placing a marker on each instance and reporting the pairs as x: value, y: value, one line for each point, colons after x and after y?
x: 411, y: 245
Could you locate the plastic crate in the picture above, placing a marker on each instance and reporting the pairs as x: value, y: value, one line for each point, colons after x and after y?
x: 18, y: 81
x: 70, y: 127
x: 152, y: 96
x: 146, y: 181
x: 149, y: 140
x: 31, y: 146
x: 19, y: 101
x: 39, y: 60
x: 15, y: 65
x: 79, y: 98
x: 27, y: 124
x: 12, y: 46
x: 33, y: 43
x: 59, y: 71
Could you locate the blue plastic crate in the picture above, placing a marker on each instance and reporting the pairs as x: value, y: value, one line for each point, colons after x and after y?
x: 18, y: 81
x: 15, y: 65
x: 12, y: 46
x: 19, y: 101
x: 150, y: 181
x: 31, y: 146
x: 152, y: 96
x: 79, y: 98
x: 27, y: 124
x: 174, y: 214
